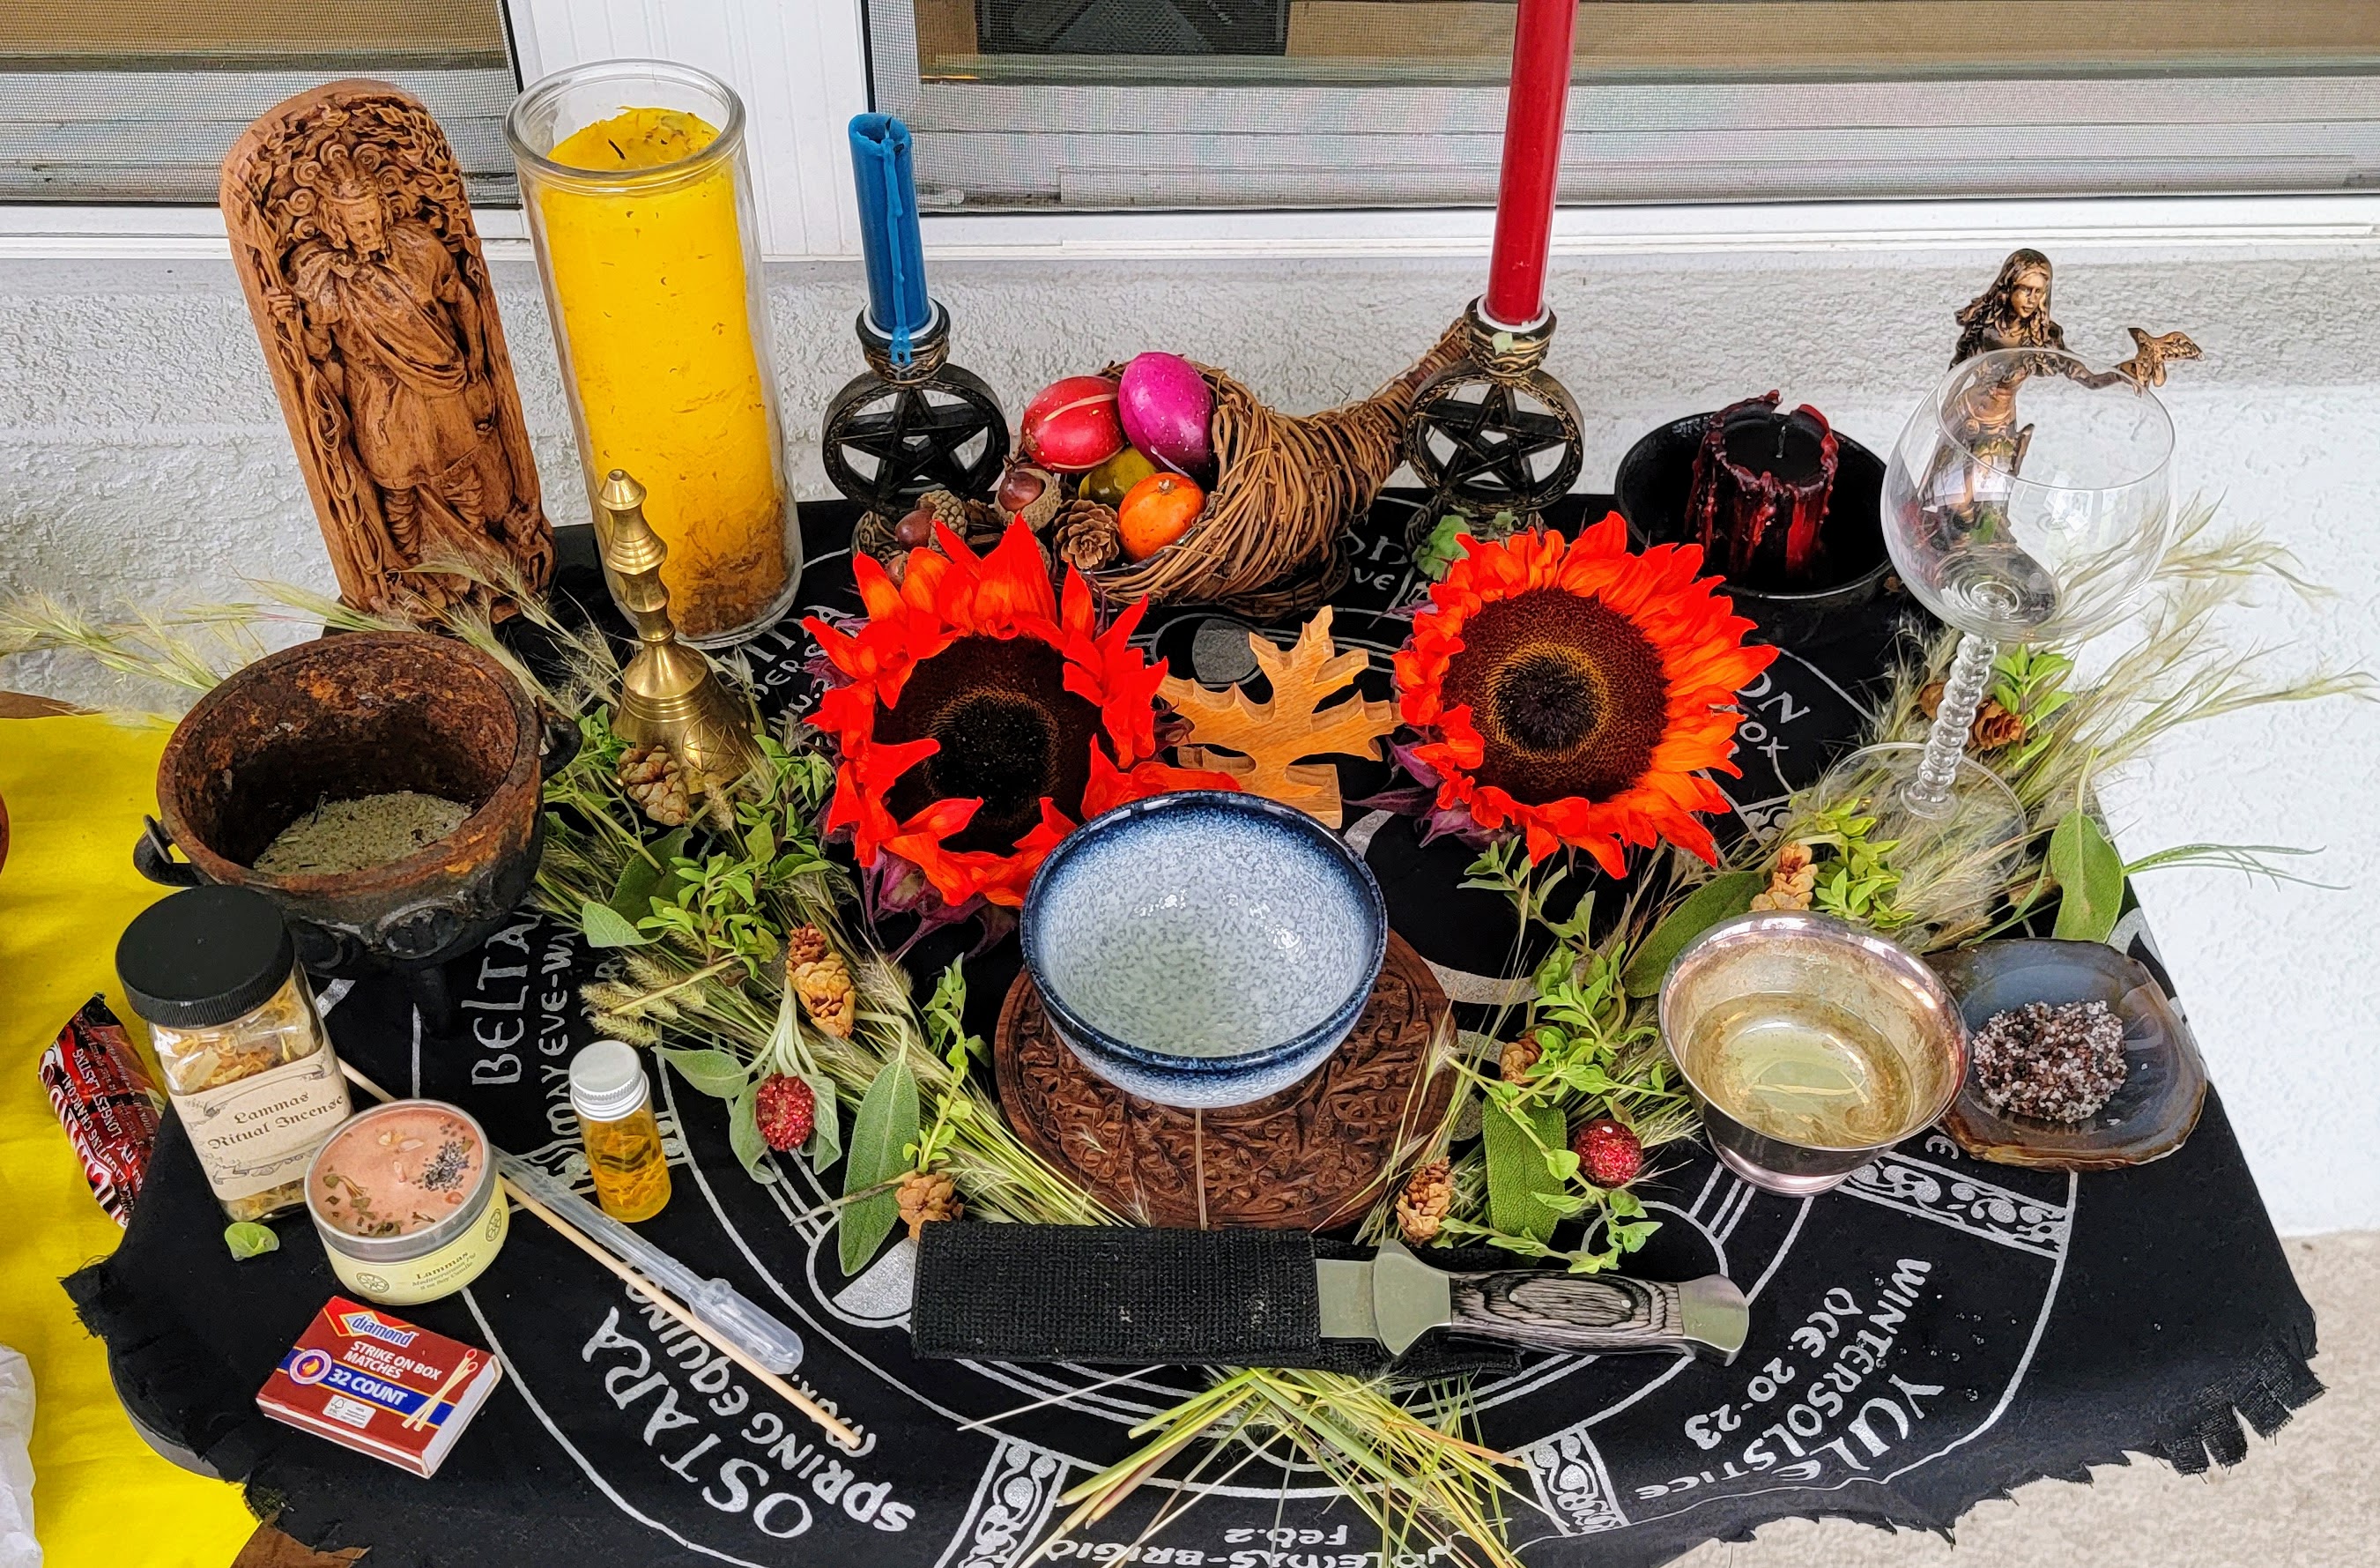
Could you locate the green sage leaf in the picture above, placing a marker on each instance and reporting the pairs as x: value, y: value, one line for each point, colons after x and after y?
x: 825, y: 1144
x: 641, y: 878
x: 2090, y: 879
x: 247, y: 1239
x: 1721, y: 898
x: 1517, y: 1172
x: 714, y: 1072
x: 743, y: 1136
x: 606, y: 927
x: 880, y: 1136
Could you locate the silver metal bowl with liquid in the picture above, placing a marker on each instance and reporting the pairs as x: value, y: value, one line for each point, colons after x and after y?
x: 1792, y: 953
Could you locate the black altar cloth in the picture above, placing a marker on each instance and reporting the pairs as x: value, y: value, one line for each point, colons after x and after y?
x: 1934, y: 1333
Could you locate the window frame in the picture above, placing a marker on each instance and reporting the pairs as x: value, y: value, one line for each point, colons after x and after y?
x: 803, y: 67
x: 1889, y: 138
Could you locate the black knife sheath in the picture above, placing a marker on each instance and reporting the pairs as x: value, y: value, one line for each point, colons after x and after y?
x: 1128, y: 1296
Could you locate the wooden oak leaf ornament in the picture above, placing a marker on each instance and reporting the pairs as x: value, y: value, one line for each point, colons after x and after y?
x: 1263, y: 740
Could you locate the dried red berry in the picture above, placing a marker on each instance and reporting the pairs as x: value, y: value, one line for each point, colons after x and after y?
x: 786, y: 1111
x: 1608, y: 1152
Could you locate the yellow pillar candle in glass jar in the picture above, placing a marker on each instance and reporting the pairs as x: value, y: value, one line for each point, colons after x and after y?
x: 639, y: 196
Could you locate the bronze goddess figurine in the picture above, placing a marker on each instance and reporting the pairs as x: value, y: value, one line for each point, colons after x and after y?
x: 364, y: 274
x: 2012, y: 313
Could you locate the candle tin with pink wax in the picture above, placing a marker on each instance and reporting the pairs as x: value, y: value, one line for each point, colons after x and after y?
x: 405, y: 1199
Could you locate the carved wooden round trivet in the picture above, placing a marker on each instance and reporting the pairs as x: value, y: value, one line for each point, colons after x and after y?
x: 1304, y: 1159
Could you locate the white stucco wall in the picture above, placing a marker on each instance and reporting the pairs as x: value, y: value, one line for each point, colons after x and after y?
x: 142, y: 456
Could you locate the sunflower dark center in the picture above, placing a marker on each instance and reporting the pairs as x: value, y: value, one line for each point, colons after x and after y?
x: 996, y: 747
x: 1567, y: 694
x: 1545, y: 699
x: 1009, y: 733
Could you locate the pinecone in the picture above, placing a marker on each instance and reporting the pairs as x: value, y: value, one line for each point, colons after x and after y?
x: 1518, y: 1057
x: 925, y: 1197
x: 1085, y: 536
x: 786, y: 1108
x: 1608, y: 1152
x: 1993, y: 727
x: 805, y: 945
x: 1791, y: 884
x: 818, y: 975
x: 975, y: 521
x: 1423, y: 1204
x: 654, y: 781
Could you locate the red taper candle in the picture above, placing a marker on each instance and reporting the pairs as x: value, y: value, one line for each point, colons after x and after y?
x: 1533, y: 139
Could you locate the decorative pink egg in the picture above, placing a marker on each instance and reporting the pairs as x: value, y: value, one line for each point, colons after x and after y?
x: 1071, y: 425
x: 1167, y: 407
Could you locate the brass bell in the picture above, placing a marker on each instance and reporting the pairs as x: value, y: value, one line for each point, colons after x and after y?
x: 670, y: 696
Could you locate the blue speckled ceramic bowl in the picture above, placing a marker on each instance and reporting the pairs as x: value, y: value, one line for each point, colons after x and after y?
x: 1204, y: 949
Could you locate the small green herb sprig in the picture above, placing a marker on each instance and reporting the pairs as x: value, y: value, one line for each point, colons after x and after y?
x: 1597, y: 1054
x: 1857, y: 882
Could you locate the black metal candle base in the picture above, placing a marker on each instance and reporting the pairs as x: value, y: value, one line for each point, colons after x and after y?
x: 902, y: 429
x: 1494, y: 432
x: 1656, y: 476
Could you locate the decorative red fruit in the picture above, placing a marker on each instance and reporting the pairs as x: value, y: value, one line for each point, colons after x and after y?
x: 1608, y: 1152
x: 786, y: 1110
x: 1072, y: 425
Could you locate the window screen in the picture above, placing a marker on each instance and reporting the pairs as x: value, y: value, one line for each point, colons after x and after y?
x: 1105, y: 104
x: 137, y: 99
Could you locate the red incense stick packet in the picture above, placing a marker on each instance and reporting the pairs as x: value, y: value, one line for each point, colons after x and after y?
x: 380, y: 1385
x: 105, y: 1102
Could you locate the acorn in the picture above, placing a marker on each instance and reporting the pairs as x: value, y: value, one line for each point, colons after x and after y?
x: 1030, y: 491
x: 914, y: 531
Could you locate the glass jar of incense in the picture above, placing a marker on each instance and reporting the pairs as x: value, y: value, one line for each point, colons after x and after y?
x: 250, y: 1072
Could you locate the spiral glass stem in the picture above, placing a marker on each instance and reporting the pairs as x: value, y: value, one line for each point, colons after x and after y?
x: 1928, y: 795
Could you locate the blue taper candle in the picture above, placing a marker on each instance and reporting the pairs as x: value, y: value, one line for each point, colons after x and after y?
x: 895, y: 252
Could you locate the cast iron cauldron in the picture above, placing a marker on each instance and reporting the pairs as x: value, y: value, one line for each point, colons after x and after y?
x: 1652, y: 488
x: 352, y: 715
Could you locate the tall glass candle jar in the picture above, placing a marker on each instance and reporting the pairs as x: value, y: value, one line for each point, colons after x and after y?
x: 248, y: 1066
x: 639, y: 199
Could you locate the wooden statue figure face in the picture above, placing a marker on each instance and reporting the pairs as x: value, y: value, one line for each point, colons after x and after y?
x: 358, y: 223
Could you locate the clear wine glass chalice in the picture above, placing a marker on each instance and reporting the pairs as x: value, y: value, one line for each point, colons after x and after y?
x: 2028, y: 500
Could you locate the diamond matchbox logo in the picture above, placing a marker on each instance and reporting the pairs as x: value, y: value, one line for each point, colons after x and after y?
x: 366, y: 1324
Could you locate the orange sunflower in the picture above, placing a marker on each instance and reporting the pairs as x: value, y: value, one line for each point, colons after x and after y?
x: 979, y: 719
x: 1576, y: 691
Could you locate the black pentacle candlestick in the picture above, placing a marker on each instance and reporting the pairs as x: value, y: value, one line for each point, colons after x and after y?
x: 1761, y: 485
x: 907, y: 428
x: 1494, y: 432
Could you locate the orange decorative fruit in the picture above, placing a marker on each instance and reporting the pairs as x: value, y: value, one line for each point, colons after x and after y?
x: 1155, y: 512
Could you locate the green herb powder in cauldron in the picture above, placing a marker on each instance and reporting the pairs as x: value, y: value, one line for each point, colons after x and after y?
x: 338, y: 836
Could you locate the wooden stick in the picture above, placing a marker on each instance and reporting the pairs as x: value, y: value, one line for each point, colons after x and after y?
x: 462, y: 1369
x: 652, y: 1292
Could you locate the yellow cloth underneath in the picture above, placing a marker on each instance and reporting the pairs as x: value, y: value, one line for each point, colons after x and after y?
x: 76, y: 788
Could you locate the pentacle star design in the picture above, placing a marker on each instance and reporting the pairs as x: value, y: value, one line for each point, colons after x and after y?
x: 1496, y: 444
x: 916, y: 442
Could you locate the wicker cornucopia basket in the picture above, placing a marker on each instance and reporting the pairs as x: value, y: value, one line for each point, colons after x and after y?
x: 1286, y: 487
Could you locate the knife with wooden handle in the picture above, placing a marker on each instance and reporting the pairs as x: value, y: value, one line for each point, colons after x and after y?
x: 1395, y: 1299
